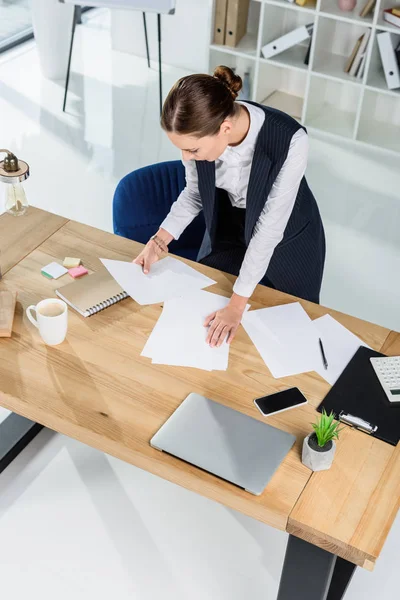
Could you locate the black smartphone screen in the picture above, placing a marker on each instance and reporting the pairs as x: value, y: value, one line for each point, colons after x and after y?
x: 280, y: 401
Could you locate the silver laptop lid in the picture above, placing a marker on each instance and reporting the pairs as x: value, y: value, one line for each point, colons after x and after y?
x: 224, y: 442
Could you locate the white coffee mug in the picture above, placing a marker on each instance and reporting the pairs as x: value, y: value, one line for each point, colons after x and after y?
x: 51, y: 320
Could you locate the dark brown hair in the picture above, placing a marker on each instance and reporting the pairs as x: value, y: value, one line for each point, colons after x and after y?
x: 198, y: 104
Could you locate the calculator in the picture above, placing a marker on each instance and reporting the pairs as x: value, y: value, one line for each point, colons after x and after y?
x: 387, y: 370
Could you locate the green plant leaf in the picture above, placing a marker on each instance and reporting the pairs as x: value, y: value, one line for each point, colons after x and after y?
x: 326, y: 428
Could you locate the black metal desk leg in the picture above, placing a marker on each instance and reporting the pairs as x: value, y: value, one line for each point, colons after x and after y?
x: 74, y: 21
x: 159, y: 58
x: 310, y: 573
x: 146, y: 39
x: 15, y: 434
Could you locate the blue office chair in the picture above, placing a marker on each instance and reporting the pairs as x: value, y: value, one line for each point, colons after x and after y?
x: 143, y: 199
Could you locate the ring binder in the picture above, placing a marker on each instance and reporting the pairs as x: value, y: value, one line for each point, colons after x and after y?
x: 361, y: 402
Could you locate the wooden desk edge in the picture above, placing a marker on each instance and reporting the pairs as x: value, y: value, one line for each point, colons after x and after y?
x: 390, y: 477
x: 391, y: 346
x: 330, y: 544
x: 33, y: 211
x: 114, y: 448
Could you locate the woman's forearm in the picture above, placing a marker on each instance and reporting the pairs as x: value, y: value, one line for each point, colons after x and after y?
x: 238, y: 302
x: 165, y: 236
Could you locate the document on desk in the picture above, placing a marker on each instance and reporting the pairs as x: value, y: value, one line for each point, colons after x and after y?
x: 179, y: 336
x: 285, y: 338
x: 340, y: 345
x: 288, y: 341
x: 168, y: 278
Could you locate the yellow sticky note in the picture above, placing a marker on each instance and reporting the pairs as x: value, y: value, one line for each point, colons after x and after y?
x: 70, y: 263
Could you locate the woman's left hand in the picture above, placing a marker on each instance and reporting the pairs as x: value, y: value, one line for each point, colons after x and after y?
x: 223, y: 324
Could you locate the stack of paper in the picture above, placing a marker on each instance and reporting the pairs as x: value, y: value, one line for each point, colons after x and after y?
x: 168, y: 278
x: 288, y: 341
x: 285, y: 337
x: 179, y: 336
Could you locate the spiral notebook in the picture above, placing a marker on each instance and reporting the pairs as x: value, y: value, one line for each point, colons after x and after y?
x: 92, y: 293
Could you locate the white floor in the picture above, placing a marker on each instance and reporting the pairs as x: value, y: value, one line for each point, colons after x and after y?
x: 75, y: 523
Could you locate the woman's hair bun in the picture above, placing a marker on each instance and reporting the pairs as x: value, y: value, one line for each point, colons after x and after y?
x: 232, y: 81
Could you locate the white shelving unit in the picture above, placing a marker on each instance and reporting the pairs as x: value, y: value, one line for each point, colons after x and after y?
x: 320, y: 95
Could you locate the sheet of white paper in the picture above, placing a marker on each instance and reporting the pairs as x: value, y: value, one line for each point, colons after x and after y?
x: 168, y: 278
x: 179, y: 336
x: 285, y: 338
x: 340, y: 345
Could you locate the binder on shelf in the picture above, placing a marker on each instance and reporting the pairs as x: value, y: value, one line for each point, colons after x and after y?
x: 287, y: 41
x: 361, y: 51
x: 389, y: 61
x: 392, y: 16
x: 368, y: 8
x: 220, y: 21
x: 358, y: 399
x: 237, y: 13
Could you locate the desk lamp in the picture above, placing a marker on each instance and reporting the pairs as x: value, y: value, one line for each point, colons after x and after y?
x: 14, y: 172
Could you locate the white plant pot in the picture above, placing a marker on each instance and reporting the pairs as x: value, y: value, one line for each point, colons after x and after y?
x: 52, y: 24
x: 317, y: 461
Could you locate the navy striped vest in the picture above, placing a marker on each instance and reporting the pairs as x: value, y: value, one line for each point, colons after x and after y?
x: 270, y: 153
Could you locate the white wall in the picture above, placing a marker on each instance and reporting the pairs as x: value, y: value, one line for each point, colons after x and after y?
x: 185, y: 35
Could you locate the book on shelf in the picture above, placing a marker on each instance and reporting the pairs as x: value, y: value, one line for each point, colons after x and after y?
x: 353, y: 54
x: 287, y: 41
x: 368, y: 8
x: 392, y: 16
x: 361, y: 68
x: 386, y: 45
x: 359, y: 54
x: 307, y: 58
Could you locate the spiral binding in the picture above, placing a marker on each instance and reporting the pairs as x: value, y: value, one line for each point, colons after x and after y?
x: 106, y: 303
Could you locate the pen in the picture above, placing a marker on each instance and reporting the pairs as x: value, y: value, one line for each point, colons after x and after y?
x: 323, y: 354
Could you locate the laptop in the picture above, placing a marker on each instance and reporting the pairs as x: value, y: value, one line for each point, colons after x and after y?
x: 224, y: 442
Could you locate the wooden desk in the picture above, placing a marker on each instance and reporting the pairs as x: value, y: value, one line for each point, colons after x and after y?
x: 20, y: 235
x: 97, y: 388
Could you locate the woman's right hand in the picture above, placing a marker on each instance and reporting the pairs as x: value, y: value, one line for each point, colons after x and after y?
x: 150, y: 254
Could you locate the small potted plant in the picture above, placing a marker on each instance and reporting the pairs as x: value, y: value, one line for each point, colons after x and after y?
x: 319, y: 447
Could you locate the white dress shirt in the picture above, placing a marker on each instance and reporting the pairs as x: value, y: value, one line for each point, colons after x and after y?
x: 232, y: 173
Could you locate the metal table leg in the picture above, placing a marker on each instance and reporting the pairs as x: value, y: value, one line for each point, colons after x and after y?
x: 74, y: 22
x: 159, y: 58
x: 146, y: 39
x: 311, y: 573
x: 15, y: 434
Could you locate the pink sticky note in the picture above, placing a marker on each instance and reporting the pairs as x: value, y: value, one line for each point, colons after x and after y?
x: 77, y: 271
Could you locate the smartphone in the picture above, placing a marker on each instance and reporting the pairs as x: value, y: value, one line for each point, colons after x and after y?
x: 280, y: 401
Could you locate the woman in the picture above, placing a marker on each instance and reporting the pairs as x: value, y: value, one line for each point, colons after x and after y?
x: 245, y: 167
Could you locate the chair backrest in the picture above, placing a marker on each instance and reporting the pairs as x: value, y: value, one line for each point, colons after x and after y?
x: 143, y: 199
